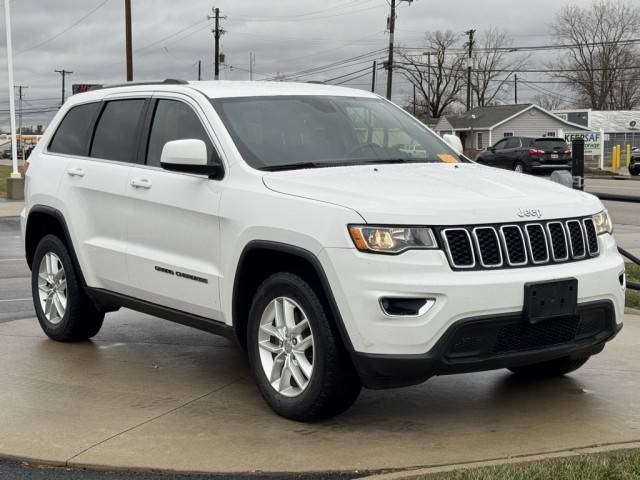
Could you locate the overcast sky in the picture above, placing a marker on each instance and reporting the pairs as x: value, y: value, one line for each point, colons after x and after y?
x: 287, y: 36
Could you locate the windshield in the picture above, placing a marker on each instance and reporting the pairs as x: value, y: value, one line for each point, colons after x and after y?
x: 286, y: 132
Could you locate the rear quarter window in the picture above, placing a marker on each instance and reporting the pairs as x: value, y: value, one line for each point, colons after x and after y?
x: 72, y: 135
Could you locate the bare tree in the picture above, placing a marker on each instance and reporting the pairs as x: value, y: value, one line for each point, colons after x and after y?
x: 600, y: 63
x: 549, y: 102
x: 494, y: 67
x: 439, y: 81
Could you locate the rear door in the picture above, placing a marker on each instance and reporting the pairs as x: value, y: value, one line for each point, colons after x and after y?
x: 497, y: 157
x: 511, y: 153
x: 93, y: 188
x: 173, y: 229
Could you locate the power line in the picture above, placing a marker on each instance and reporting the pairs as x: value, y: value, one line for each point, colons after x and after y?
x: 333, y: 65
x: 70, y: 27
x: 348, y: 4
x: 632, y: 41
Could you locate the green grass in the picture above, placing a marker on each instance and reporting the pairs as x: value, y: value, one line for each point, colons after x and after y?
x: 611, y: 466
x: 5, y: 171
x: 633, y: 296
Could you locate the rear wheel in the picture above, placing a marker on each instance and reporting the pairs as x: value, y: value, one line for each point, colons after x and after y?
x: 550, y: 369
x: 64, y: 311
x: 518, y: 167
x: 301, y: 369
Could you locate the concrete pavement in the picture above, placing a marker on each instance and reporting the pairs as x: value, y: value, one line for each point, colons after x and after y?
x: 153, y: 395
x: 10, y: 208
x: 147, y: 394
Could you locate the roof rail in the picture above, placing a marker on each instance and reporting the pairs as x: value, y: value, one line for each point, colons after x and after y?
x: 166, y: 81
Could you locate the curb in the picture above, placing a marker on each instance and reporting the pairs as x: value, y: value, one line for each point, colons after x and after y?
x: 611, y: 177
x: 573, y: 452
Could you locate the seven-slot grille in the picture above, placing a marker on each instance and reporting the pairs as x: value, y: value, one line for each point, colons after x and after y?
x: 520, y: 245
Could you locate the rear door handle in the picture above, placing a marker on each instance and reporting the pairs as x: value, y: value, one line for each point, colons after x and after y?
x: 75, y: 172
x: 140, y: 183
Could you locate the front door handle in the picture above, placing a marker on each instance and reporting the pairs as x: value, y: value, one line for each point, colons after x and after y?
x: 75, y: 172
x: 140, y: 183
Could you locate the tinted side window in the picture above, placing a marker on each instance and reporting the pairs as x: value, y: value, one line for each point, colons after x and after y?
x: 513, y: 142
x: 500, y: 145
x: 72, y: 136
x: 174, y: 120
x: 115, y: 137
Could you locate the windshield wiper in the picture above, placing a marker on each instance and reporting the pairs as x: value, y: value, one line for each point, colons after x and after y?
x: 290, y: 166
x: 336, y: 163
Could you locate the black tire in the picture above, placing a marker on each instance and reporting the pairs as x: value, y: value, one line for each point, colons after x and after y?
x: 550, y: 369
x: 519, y: 165
x: 634, y: 171
x: 334, y: 384
x: 81, y: 319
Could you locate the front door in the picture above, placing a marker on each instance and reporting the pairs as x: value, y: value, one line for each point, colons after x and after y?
x: 173, y: 229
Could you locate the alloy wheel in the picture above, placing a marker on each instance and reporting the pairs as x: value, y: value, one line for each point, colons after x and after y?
x: 52, y: 288
x: 286, y: 349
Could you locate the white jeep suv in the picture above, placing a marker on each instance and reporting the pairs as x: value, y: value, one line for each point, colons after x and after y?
x: 288, y: 218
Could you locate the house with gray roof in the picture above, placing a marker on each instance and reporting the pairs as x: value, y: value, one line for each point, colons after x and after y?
x: 482, y: 127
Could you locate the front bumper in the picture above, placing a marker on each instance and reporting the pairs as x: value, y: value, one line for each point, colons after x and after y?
x: 493, y: 342
x: 359, y: 280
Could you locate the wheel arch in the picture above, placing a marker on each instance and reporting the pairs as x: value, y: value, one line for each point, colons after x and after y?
x: 260, y: 259
x: 44, y: 220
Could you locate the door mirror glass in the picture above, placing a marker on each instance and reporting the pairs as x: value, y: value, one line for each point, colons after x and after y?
x: 188, y: 156
x: 454, y: 142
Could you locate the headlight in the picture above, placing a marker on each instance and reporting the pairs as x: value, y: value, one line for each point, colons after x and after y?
x: 603, y: 222
x: 391, y: 239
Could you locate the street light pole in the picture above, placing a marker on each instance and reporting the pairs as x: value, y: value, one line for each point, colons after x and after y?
x: 12, y: 102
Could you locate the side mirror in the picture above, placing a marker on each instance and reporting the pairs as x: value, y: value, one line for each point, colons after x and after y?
x: 454, y: 142
x: 188, y: 156
x: 492, y: 149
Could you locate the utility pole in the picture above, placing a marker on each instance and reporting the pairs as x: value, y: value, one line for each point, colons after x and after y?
x: 516, y: 87
x: 127, y: 25
x: 199, y: 70
x: 217, y: 33
x: 20, y: 88
x: 373, y: 77
x: 391, y: 22
x: 64, y: 74
x: 414, y: 99
x: 471, y: 34
x: 12, y: 101
x: 429, y: 84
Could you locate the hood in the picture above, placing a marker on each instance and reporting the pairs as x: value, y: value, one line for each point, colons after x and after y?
x: 434, y: 193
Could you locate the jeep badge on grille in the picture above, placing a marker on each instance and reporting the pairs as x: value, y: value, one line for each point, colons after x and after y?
x: 530, y: 212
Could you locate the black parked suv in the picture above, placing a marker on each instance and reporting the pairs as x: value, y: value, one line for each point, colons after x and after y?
x: 634, y: 166
x: 528, y: 155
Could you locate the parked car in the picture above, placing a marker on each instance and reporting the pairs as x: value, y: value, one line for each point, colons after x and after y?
x: 634, y: 166
x: 528, y: 155
x: 413, y: 150
x: 5, y: 150
x: 263, y: 212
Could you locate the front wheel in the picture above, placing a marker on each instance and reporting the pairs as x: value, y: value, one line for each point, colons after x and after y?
x: 300, y: 366
x: 550, y: 369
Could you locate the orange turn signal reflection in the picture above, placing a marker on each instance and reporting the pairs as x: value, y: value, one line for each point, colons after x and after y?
x: 358, y: 239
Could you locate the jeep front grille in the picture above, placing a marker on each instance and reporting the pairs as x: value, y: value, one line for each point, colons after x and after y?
x: 479, y: 247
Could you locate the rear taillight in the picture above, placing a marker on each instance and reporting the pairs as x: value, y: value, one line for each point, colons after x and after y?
x: 535, y: 151
x: 567, y: 152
